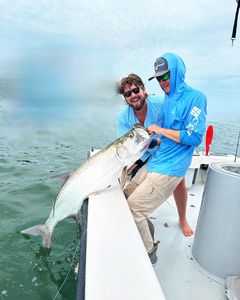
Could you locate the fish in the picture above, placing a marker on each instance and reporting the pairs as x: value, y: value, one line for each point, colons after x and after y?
x: 95, y: 175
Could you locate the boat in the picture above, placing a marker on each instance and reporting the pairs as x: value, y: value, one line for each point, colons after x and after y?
x: 114, y: 265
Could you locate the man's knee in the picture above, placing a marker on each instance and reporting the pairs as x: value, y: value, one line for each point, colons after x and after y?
x: 136, y: 210
x: 131, y: 201
x: 129, y: 189
x: 181, y: 186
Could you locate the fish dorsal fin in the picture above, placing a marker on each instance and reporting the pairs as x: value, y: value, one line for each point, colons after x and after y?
x: 123, y: 177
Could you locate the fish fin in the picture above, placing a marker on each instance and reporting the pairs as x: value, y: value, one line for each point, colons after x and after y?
x: 123, y: 177
x: 63, y: 177
x: 98, y: 191
x: 40, y: 229
x: 95, y: 193
x: 77, y: 218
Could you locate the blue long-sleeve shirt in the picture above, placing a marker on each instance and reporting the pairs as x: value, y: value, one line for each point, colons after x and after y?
x: 127, y: 119
x: 184, y: 109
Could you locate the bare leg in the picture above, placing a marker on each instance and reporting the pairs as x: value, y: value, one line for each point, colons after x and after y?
x: 180, y: 196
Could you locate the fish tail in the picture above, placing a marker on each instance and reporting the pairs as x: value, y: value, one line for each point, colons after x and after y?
x: 43, y: 230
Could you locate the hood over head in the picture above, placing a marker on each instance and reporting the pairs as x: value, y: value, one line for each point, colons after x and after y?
x: 177, y: 70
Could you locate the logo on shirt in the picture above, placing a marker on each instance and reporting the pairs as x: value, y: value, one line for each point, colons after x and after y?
x: 195, y: 113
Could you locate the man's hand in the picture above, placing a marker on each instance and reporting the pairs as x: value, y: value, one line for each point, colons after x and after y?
x: 154, y: 129
x: 169, y: 133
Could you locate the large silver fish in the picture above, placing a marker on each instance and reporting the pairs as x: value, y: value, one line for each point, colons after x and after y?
x: 96, y: 174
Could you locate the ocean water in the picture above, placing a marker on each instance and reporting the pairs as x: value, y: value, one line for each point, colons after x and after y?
x: 37, y: 144
x: 59, y: 63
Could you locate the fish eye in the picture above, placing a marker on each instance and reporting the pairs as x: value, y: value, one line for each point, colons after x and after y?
x: 131, y: 135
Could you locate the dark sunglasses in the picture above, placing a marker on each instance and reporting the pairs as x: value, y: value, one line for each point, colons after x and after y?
x: 129, y: 93
x: 164, y: 77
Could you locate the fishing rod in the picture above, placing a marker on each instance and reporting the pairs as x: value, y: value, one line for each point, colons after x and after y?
x: 235, y: 159
x: 234, y: 31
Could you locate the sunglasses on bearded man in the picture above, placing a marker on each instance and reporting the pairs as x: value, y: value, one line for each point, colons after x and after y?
x: 129, y: 93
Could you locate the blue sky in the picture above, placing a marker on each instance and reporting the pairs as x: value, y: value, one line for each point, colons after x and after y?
x: 97, y: 42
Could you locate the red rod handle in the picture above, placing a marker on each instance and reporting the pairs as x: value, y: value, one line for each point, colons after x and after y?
x: 209, y: 137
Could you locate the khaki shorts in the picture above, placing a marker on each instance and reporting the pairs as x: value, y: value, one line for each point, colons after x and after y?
x: 145, y: 193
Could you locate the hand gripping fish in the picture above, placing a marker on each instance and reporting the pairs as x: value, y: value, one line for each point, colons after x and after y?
x: 97, y: 173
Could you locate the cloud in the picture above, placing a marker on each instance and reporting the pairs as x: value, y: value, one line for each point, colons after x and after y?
x: 109, y: 39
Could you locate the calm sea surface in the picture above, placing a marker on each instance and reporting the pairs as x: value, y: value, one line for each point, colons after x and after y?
x: 59, y: 62
x: 38, y: 143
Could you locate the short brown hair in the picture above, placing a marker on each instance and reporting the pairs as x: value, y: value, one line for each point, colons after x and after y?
x: 130, y: 79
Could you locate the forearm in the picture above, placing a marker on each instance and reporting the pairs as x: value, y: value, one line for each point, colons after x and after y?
x: 169, y: 133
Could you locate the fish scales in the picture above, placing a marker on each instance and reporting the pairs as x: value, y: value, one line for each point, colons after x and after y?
x: 95, y: 175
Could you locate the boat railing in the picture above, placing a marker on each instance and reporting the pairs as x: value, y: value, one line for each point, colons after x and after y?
x: 113, y: 261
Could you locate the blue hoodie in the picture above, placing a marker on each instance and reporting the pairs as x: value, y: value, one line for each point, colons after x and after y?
x: 184, y: 109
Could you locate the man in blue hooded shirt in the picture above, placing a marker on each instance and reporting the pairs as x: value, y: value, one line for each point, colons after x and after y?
x: 146, y: 109
x: 181, y: 128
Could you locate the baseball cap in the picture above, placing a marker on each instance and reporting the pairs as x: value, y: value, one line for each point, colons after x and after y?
x: 160, y: 67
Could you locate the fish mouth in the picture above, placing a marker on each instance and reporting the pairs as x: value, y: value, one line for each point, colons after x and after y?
x: 146, y: 146
x: 140, y: 126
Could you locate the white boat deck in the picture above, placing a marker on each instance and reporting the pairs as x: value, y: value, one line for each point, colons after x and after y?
x: 180, y: 276
x: 117, y: 265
